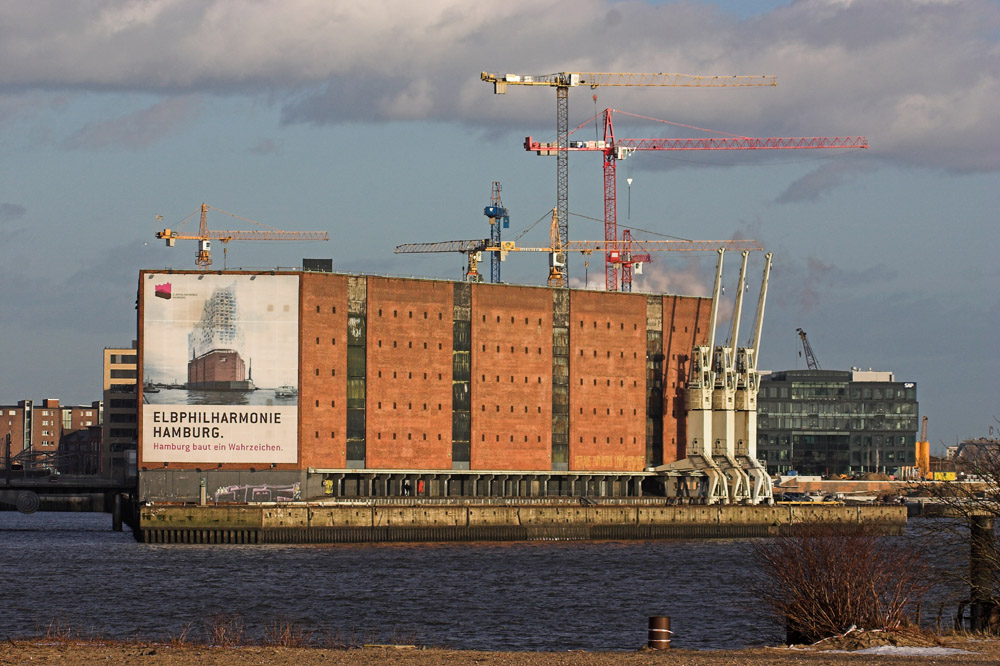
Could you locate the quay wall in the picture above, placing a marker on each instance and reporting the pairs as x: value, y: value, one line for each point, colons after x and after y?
x: 381, y: 522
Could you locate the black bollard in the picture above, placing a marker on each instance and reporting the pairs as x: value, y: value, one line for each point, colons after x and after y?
x: 982, y: 556
x: 116, y: 512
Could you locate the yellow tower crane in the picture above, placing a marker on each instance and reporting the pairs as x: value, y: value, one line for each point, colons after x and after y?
x: 203, y: 257
x: 563, y: 81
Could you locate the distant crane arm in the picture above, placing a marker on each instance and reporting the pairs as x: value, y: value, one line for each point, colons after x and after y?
x: 662, y: 245
x: 596, y: 79
x: 226, y: 236
x: 745, y: 143
x: 444, y: 246
x: 626, y: 146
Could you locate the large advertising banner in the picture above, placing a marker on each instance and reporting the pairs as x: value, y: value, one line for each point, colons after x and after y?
x: 219, y: 368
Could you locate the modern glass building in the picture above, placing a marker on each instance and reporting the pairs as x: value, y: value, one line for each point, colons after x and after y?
x: 834, y: 422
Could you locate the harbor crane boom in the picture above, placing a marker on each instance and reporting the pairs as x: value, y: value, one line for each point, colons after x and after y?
x: 203, y: 257
x: 811, y: 362
x: 563, y: 81
x: 615, y: 149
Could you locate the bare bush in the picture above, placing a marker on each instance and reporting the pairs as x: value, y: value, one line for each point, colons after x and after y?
x: 821, y: 580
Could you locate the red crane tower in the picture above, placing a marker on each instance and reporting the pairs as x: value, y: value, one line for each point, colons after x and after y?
x: 619, y: 149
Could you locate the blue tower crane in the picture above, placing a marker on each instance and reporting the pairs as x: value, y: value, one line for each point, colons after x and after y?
x: 498, y: 218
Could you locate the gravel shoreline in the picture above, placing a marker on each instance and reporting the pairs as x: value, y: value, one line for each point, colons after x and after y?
x: 40, y: 651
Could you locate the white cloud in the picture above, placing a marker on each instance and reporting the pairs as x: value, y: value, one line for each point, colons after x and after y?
x: 920, y: 79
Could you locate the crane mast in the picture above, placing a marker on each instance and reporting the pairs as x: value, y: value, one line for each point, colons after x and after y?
x: 563, y: 81
x: 499, y: 219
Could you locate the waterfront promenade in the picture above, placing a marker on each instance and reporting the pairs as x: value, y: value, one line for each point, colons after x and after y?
x: 976, y: 652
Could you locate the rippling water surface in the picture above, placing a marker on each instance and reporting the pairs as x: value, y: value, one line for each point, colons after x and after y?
x: 548, y: 595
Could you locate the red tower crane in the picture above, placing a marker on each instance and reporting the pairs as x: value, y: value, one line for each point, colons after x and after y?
x: 619, y: 149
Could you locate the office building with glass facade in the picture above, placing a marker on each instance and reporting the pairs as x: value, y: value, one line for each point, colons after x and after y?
x: 834, y: 422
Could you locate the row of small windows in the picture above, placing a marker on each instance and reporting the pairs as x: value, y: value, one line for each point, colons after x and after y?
x: 440, y: 376
x: 395, y: 313
x: 409, y: 406
x: 512, y: 349
x: 635, y: 327
x: 483, y: 438
x: 835, y: 391
x: 621, y: 382
x: 512, y: 379
x: 607, y: 440
x: 512, y: 320
x: 621, y: 354
x: 607, y: 410
x: 409, y: 375
x: 409, y: 344
x: 409, y: 436
x: 482, y: 408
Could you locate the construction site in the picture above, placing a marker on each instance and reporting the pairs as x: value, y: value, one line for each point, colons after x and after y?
x: 305, y: 383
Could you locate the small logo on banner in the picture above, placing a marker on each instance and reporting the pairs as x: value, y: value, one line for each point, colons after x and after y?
x: 162, y: 290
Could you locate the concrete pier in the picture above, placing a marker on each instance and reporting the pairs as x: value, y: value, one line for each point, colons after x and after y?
x: 478, y: 520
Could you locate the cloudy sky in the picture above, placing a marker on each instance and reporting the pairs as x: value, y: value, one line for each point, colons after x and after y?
x: 370, y: 121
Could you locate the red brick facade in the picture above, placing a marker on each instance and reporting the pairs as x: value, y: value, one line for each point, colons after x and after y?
x: 407, y: 386
x: 409, y: 365
x: 322, y: 370
x: 607, y: 381
x: 511, y: 377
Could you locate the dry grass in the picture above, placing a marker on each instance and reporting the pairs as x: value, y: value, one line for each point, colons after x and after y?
x: 283, y: 632
x: 225, y: 630
x: 182, y: 638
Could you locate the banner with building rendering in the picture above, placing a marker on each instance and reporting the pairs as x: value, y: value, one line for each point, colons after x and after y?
x: 219, y: 363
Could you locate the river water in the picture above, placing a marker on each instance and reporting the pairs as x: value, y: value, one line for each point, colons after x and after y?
x: 71, y: 569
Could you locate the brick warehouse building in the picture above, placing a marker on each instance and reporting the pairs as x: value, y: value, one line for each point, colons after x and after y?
x: 433, y: 387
